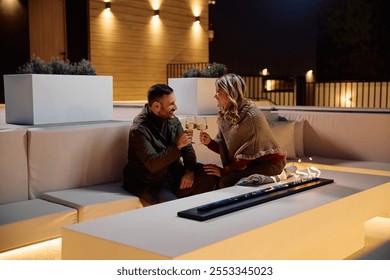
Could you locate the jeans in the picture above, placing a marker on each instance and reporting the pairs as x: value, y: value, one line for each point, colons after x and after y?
x: 170, y: 189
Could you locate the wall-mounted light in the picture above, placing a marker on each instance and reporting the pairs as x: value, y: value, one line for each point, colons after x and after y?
x: 211, y: 35
x: 108, y: 6
x: 197, y: 19
x: 310, y: 76
x: 156, y: 13
x: 264, y: 72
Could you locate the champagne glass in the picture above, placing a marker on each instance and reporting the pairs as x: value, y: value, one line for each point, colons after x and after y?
x: 201, y: 123
x: 190, y: 123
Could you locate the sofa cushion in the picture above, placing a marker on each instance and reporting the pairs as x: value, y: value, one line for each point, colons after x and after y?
x: 298, y: 138
x: 13, y: 165
x: 70, y: 156
x: 31, y: 221
x: 271, y: 116
x: 95, y: 201
x: 274, y: 117
x: 284, y: 133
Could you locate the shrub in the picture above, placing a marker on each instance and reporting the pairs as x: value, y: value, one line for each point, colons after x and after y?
x: 57, y: 67
x: 214, y: 70
x: 35, y: 65
x: 192, y: 73
x: 85, y: 67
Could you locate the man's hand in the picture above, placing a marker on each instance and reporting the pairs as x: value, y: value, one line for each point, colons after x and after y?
x: 184, y: 139
x: 187, y: 180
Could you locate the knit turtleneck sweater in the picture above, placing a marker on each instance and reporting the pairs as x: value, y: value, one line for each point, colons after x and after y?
x: 249, y: 139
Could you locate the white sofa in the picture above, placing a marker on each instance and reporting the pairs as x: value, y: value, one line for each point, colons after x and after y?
x: 52, y: 176
x: 343, y: 139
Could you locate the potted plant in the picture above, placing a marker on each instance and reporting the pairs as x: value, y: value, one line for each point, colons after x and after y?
x: 57, y: 92
x: 195, y: 91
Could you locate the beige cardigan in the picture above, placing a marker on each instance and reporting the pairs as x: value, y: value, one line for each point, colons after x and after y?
x: 249, y: 139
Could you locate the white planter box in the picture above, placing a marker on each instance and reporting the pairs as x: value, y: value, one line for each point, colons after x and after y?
x: 45, y: 99
x: 194, y: 96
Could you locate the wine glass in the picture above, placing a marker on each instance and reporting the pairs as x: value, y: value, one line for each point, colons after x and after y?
x: 190, y: 123
x: 201, y: 123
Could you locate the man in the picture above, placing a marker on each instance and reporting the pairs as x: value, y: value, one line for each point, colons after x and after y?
x: 161, y: 160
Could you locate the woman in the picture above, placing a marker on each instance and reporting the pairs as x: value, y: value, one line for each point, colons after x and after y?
x: 244, y: 141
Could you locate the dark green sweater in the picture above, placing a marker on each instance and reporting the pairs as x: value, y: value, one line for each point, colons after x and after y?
x: 152, y: 149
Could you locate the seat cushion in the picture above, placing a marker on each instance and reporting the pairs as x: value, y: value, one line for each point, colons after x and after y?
x: 95, y: 201
x: 31, y: 221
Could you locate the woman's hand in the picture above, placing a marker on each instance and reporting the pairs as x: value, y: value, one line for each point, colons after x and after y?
x: 212, y: 169
x: 204, y: 138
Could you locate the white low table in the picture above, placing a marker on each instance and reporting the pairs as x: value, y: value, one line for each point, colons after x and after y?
x: 323, y: 223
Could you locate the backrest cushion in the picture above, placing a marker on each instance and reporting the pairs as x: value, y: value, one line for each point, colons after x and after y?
x: 13, y: 165
x: 284, y: 132
x: 289, y: 134
x: 78, y: 155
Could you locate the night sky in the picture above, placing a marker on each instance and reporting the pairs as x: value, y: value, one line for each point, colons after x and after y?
x: 279, y: 35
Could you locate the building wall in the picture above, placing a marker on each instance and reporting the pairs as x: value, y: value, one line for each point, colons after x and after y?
x: 135, y: 47
x: 14, y: 45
